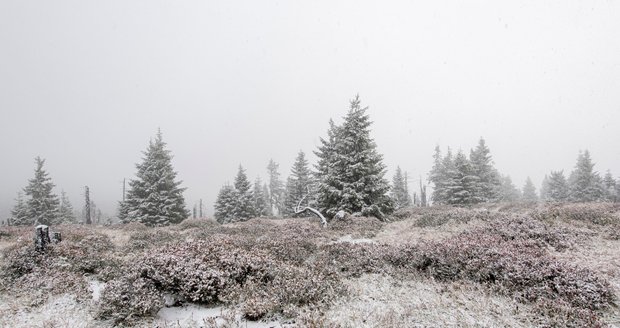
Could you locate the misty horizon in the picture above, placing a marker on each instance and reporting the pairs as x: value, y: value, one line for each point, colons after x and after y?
x: 86, y: 85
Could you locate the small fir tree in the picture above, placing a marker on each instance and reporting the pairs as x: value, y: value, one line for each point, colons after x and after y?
x: 529, y: 191
x: 558, y: 187
x: 260, y: 199
x: 275, y: 188
x: 400, y: 192
x: 507, y: 191
x: 585, y: 185
x: 19, y: 213
x: 65, y: 210
x: 155, y: 198
x: 610, y: 186
x: 244, y: 207
x: 298, y: 185
x: 42, y: 204
x: 487, y: 181
x: 225, y: 204
x: 463, y: 183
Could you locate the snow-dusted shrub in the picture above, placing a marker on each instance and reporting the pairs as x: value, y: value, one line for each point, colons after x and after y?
x: 357, y: 227
x: 195, y: 223
x: 597, y: 213
x: 517, y: 267
x: 434, y: 218
x: 129, y: 297
x: 142, y: 239
x: 557, y: 313
x: 353, y: 260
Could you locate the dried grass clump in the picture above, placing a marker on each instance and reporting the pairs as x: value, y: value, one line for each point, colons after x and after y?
x: 596, y: 213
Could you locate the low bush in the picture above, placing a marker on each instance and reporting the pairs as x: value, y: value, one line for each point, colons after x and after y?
x: 596, y: 213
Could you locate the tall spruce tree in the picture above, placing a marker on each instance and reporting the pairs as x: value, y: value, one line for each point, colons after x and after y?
x: 155, y: 198
x: 244, y: 206
x: 558, y: 187
x: 544, y: 189
x: 437, y: 176
x: 298, y: 185
x: 487, y: 182
x: 65, y: 210
x: 42, y: 204
x: 399, y: 191
x: 529, y: 191
x: 585, y: 185
x: 225, y: 204
x: 19, y: 213
x: 350, y: 170
x: 275, y: 188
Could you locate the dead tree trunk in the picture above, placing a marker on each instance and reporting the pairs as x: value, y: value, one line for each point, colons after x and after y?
x: 87, y: 209
x: 299, y: 210
x: 42, y: 237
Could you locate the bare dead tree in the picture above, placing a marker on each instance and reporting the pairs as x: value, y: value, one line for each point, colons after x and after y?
x: 299, y: 210
x: 87, y: 209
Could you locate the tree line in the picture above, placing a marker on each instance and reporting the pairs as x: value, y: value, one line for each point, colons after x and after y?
x: 349, y: 176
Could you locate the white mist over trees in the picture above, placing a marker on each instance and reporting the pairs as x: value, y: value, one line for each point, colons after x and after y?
x: 155, y: 197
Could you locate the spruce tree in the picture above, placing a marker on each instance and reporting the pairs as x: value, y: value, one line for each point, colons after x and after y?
x: 42, y: 204
x: 400, y: 192
x: 244, y: 207
x: 350, y: 170
x: 298, y: 185
x: 437, y: 176
x: 463, y: 184
x: 610, y: 187
x: 544, y: 189
x: 529, y: 191
x: 65, y: 210
x: 275, y: 188
x: 558, y: 187
x: 585, y: 185
x: 155, y: 198
x: 487, y: 183
x: 260, y: 199
x: 507, y: 190
x: 19, y: 212
x: 225, y: 204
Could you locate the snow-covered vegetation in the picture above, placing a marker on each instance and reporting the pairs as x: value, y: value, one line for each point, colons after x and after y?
x: 549, y: 265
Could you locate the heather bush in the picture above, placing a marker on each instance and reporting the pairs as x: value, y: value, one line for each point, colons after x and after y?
x: 357, y: 227
x: 596, y: 213
x: 143, y: 239
x: 129, y: 297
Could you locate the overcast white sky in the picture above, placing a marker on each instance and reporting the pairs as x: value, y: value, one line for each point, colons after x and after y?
x: 85, y: 84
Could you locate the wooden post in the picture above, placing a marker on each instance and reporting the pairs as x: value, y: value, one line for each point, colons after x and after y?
x: 87, y: 209
x: 57, y: 237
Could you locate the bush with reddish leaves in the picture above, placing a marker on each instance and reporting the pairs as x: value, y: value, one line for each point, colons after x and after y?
x: 596, y: 213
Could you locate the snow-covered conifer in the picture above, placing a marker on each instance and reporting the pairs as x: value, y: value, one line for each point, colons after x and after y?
x: 225, y: 204
x: 463, y: 182
x: 244, y: 206
x: 19, y: 212
x: 298, y: 185
x: 558, y: 187
x: 350, y: 170
x: 276, y: 190
x: 507, y: 190
x: 610, y: 187
x: 65, y: 210
x: 487, y: 184
x: 529, y: 191
x: 399, y: 191
x: 155, y: 198
x: 42, y: 204
x: 585, y: 184
x: 260, y: 199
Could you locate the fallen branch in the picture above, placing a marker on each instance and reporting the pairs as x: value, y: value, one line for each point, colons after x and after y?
x: 316, y: 212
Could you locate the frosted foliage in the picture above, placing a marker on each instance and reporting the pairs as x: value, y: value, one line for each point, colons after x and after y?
x: 155, y: 198
x: 350, y: 170
x: 42, y: 204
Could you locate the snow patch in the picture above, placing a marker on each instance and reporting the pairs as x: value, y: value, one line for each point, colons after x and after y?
x: 192, y: 315
x: 349, y: 239
x: 96, y: 287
